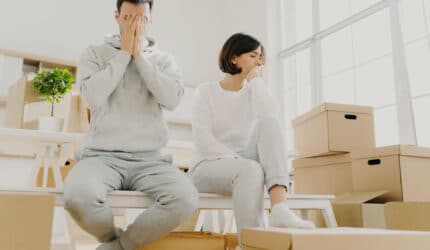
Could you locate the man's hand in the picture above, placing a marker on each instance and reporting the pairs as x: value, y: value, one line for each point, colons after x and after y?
x: 140, y: 31
x: 254, y: 73
x: 128, y: 25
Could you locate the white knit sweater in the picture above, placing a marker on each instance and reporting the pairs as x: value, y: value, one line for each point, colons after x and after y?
x: 223, y: 121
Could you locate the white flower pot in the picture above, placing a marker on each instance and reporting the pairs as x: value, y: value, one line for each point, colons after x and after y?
x: 49, y: 123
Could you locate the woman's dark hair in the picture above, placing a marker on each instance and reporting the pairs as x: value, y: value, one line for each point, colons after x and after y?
x: 237, y: 45
x: 119, y: 3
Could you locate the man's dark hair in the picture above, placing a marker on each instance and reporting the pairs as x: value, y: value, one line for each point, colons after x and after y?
x: 119, y: 3
x: 237, y: 45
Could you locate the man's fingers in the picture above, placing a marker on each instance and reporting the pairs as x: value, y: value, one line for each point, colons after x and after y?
x: 131, y: 18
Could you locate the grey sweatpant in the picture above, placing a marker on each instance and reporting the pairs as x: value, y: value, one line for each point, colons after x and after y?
x: 98, y: 173
x: 263, y: 163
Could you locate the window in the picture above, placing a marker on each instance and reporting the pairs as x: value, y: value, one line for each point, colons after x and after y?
x: 422, y: 122
x: 415, y: 20
x: 298, y: 90
x: 354, y: 63
x: 298, y: 21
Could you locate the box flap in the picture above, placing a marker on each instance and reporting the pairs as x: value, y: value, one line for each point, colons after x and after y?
x: 354, y: 109
x: 412, y: 150
x: 404, y: 150
x: 357, y: 197
x: 321, y: 161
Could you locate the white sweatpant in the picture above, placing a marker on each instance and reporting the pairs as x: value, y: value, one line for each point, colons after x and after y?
x: 263, y: 163
x: 100, y: 172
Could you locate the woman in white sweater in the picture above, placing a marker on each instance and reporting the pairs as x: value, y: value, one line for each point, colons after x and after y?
x: 239, y: 143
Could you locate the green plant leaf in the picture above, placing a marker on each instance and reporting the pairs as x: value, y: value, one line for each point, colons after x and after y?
x: 53, y: 85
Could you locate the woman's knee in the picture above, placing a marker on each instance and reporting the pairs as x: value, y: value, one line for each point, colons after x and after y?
x: 252, y: 171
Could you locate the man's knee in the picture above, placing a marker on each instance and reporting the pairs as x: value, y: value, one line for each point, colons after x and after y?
x: 80, y: 200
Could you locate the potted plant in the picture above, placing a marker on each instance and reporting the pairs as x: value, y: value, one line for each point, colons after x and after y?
x: 52, y: 86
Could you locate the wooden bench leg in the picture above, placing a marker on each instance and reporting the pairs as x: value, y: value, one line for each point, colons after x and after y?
x: 266, y: 218
x: 70, y: 231
x: 228, y: 220
x: 329, y: 216
x: 200, y: 220
x: 215, y: 221
x: 305, y: 214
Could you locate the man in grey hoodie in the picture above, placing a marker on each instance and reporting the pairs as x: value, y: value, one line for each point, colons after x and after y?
x: 127, y: 83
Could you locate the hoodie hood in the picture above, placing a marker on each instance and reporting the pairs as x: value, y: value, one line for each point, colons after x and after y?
x: 148, y: 45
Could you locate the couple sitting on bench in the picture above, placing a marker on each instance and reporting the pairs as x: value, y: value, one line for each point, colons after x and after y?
x: 127, y: 83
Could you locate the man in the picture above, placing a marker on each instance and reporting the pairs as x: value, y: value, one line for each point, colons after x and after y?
x: 127, y: 83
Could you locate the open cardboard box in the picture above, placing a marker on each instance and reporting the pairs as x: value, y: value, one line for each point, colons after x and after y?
x: 367, y: 209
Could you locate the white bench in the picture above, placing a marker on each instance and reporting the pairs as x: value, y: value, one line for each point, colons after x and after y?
x: 120, y: 200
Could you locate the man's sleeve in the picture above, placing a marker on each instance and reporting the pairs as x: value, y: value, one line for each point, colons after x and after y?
x: 164, y: 82
x: 96, y: 83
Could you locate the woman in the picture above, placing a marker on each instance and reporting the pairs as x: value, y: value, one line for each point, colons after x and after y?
x: 238, y: 140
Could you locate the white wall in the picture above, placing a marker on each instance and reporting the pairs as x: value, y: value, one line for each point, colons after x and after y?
x: 192, y: 30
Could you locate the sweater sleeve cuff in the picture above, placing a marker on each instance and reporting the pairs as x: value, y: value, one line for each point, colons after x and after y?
x: 123, y: 57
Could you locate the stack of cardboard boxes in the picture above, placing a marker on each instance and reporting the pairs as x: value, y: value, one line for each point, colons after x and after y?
x: 375, y: 187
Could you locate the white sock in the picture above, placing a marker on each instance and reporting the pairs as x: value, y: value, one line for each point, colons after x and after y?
x: 282, y: 216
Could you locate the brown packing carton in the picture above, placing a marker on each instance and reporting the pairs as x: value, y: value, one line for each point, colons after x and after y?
x: 402, y: 170
x: 334, y: 239
x: 231, y: 241
x: 189, y: 241
x: 348, y: 208
x: 397, y: 215
x: 323, y: 175
x: 332, y: 129
x: 26, y: 221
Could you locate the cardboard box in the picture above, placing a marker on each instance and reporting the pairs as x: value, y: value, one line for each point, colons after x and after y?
x: 334, y: 239
x: 231, y: 241
x: 348, y: 208
x: 189, y: 241
x: 332, y: 129
x: 26, y: 220
x: 368, y: 209
x: 401, y: 170
x: 323, y: 175
x: 397, y: 215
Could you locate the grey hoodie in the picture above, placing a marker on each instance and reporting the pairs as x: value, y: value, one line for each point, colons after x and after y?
x: 127, y: 96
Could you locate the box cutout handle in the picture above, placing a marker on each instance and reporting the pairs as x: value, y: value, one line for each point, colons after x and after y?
x: 350, y: 117
x: 374, y: 162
